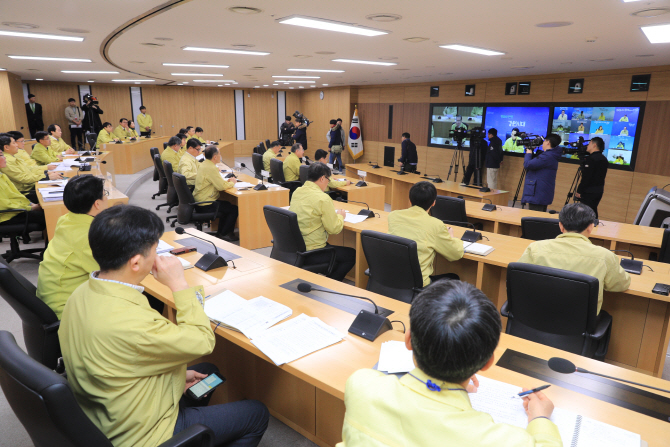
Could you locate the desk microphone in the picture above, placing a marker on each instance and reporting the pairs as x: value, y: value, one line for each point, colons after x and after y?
x: 375, y: 166
x: 261, y: 186
x: 367, y: 324
x: 564, y: 366
x: 468, y: 236
x: 435, y: 179
x: 209, y: 260
x: 367, y: 212
x: 488, y: 206
x: 631, y: 265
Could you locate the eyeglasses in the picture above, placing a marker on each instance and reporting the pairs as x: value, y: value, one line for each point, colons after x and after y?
x: 106, y: 192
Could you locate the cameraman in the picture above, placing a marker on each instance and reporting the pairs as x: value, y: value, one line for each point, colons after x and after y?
x: 540, y: 183
x: 300, y: 134
x: 92, y: 122
x: 285, y: 131
x: 594, y: 170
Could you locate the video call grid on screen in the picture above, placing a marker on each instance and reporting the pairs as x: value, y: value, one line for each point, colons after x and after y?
x: 532, y: 119
x: 446, y: 117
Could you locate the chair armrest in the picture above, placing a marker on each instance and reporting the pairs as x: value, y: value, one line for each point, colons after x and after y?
x: 53, y: 327
x: 195, y: 436
x: 503, y: 310
x: 291, y: 184
x: 604, y: 324
x: 208, y: 202
x: 14, y: 211
x: 303, y: 255
x: 367, y: 272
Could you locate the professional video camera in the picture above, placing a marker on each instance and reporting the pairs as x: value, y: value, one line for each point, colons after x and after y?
x: 300, y: 118
x: 90, y: 98
x: 529, y: 140
x: 577, y: 147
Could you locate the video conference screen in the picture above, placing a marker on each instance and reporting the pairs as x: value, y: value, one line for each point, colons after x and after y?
x: 531, y: 120
x: 617, y: 126
x: 446, y: 118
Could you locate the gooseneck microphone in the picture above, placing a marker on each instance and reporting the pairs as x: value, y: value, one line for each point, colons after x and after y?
x: 488, y: 206
x: 261, y: 186
x: 468, y: 236
x: 367, y: 212
x: 375, y: 166
x: 630, y: 265
x: 434, y: 178
x: 366, y: 324
x: 564, y: 366
x: 208, y: 261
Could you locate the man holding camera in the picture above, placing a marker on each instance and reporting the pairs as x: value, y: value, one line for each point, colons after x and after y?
x: 300, y: 134
x: 594, y: 170
x: 92, y: 111
x: 286, y: 130
x: 538, y: 188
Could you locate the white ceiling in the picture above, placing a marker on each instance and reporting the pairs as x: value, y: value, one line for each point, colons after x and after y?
x: 506, y: 26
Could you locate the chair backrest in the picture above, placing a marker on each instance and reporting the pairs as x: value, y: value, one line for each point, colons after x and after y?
x: 267, y: 143
x: 539, y: 228
x: 261, y: 145
x: 43, y: 401
x: 449, y: 208
x: 158, y: 163
x: 172, y: 197
x: 185, y: 207
x: 664, y: 255
x: 165, y: 145
x: 554, y: 307
x: 286, y: 236
x: 257, y: 162
x: 92, y: 140
x: 167, y: 169
x: 40, y: 324
x: 394, y: 265
x: 277, y: 171
x: 303, y: 173
x: 154, y: 151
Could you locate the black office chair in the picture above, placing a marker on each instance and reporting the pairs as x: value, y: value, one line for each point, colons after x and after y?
x: 172, y: 197
x: 288, y: 244
x: 40, y: 324
x: 44, y: 403
x: 539, y: 228
x: 154, y: 151
x: 162, y: 180
x: 451, y: 209
x: 16, y: 231
x: 187, y: 210
x: 261, y: 145
x: 394, y: 268
x: 303, y: 173
x: 165, y: 145
x: 664, y: 254
x: 257, y: 162
x: 277, y: 173
x: 92, y: 140
x: 267, y: 143
x: 556, y: 308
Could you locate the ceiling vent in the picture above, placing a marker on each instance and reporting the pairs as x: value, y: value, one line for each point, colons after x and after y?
x: 384, y: 17
x: 246, y: 10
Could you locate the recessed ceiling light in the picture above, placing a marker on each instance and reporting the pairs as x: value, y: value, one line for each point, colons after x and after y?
x: 39, y: 79
x: 325, y: 53
x: 302, y: 56
x: 298, y: 77
x: 300, y: 86
x: 243, y: 45
x: 196, y: 65
x: 90, y: 81
x: 224, y: 50
x: 227, y: 84
x: 89, y: 72
x: 212, y: 80
x: 244, y: 10
x: 195, y: 74
x: 325, y: 85
x: 137, y: 62
x: 257, y: 68
x: 180, y: 84
x: 651, y: 12
x: 265, y: 85
x: 165, y: 39
x: 475, y: 50
x: 3, y: 69
x: 132, y: 80
x: 384, y: 17
x: 352, y: 61
x: 296, y: 82
x: 275, y: 84
x: 553, y: 24
x: 43, y: 58
x: 220, y: 85
x: 184, y: 82
x: 630, y: 1
x: 312, y: 85
x: 291, y: 88
x: 285, y: 83
x: 657, y: 33
x: 20, y: 25
x: 33, y: 69
x: 152, y: 44
x: 315, y: 70
x: 330, y: 25
x: 40, y: 36
x: 74, y: 30
x: 601, y: 60
x: 416, y: 39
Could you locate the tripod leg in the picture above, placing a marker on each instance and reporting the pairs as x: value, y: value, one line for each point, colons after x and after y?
x: 518, y: 188
x: 453, y: 160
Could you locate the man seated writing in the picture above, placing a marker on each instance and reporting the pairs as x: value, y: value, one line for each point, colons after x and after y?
x: 322, y: 157
x: 454, y: 330
x: 126, y: 363
x: 42, y: 152
x: 317, y: 218
x: 292, y: 163
x: 188, y: 165
x: 573, y: 251
x: 68, y: 261
x: 431, y: 234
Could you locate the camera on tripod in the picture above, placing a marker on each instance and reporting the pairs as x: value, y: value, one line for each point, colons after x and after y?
x: 577, y: 147
x: 90, y: 98
x: 300, y: 118
x: 459, y: 134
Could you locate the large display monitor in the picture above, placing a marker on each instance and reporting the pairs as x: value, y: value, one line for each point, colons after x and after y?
x: 531, y: 119
x: 446, y: 117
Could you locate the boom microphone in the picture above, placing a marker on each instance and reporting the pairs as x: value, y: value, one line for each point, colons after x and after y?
x: 209, y: 260
x: 630, y: 265
x: 367, y: 212
x: 468, y: 236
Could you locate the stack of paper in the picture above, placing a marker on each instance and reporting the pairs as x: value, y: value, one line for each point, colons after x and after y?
x: 239, y: 185
x: 478, y: 249
x: 200, y: 157
x: 394, y: 357
x: 184, y: 263
x: 272, y: 185
x: 52, y: 194
x: 53, y: 182
x: 250, y: 317
x: 354, y: 218
x: 296, y: 338
x: 163, y: 247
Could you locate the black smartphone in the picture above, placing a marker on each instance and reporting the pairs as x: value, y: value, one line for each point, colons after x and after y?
x: 206, y: 385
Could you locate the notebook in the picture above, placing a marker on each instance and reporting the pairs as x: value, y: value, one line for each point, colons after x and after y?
x: 478, y: 249
x: 163, y: 247
x: 184, y: 263
x: 495, y: 398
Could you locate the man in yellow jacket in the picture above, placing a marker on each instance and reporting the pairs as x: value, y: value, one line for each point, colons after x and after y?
x: 431, y: 234
x: 573, y: 251
x: 188, y: 165
x: 12, y: 199
x: 208, y: 186
x: 145, y: 122
x: 321, y: 156
x: 131, y: 130
x: 126, y: 363
x: 198, y: 135
x: 318, y: 218
x: 171, y: 153
x: 122, y: 131
x: 182, y: 147
x: 269, y: 154
x: 292, y: 163
x: 57, y: 143
x: 68, y: 261
x: 21, y: 142
x: 106, y: 136
x: 453, y: 333
x: 42, y: 153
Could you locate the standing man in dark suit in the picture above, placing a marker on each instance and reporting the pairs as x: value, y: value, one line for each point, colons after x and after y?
x: 34, y: 112
x: 92, y: 112
x: 408, y: 158
x: 494, y: 158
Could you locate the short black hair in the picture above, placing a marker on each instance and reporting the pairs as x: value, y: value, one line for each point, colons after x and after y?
x: 40, y: 135
x: 576, y: 217
x: 288, y: 118
x: 339, y: 119
x: 182, y: 130
x: 295, y: 147
x: 333, y: 121
x: 455, y: 330
x: 81, y: 192
x: 188, y: 128
x: 5, y: 140
x: 193, y: 142
x: 15, y: 134
x: 319, y: 154
x: 406, y: 135
x: 423, y: 194
x: 31, y: 96
x: 198, y: 129
x: 143, y: 108
x: 106, y: 123
x: 181, y: 136
x: 554, y: 140
x: 211, y: 151
x: 516, y: 128
x: 493, y: 131
x: 599, y: 142
x: 274, y: 144
x: 316, y: 171
x: 123, y: 119
x: 52, y: 128
x: 121, y: 232
x: 174, y: 141
x: 71, y: 99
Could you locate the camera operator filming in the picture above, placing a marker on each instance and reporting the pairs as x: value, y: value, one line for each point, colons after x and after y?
x: 541, y: 169
x: 594, y: 170
x: 92, y: 112
x: 285, y: 131
x: 300, y: 134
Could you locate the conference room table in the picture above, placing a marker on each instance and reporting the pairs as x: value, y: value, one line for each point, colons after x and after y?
x: 308, y: 394
x: 398, y: 186
x: 131, y: 157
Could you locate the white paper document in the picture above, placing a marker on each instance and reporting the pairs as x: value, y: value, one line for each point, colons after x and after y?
x: 53, y: 182
x: 184, y: 263
x: 296, y: 338
x: 478, y: 249
x: 200, y: 157
x: 272, y: 185
x: 163, y: 247
x: 394, y: 358
x: 62, y: 167
x: 239, y: 185
x: 354, y: 218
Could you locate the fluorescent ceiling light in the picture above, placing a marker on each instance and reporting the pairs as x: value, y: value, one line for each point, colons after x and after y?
x: 295, y: 82
x: 325, y: 85
x: 275, y: 84
x: 43, y: 58
x: 89, y: 72
x: 194, y: 74
x: 657, y: 33
x: 472, y: 50
x: 328, y: 25
x: 212, y: 80
x: 39, y: 79
x: 352, y: 61
x: 196, y: 65
x: 298, y: 77
x: 3, y: 69
x: 223, y: 50
x: 315, y: 70
x: 628, y: 1
x: 41, y: 36
x: 133, y: 80
x: 90, y: 81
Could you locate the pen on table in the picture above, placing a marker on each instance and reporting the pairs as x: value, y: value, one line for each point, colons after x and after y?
x: 534, y: 390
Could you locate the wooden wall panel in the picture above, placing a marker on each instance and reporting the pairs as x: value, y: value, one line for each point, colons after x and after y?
x: 7, y: 109
x: 392, y: 95
x: 415, y: 121
x: 114, y: 102
x: 659, y: 87
x: 335, y: 104
x: 171, y: 108
x: 293, y: 102
x: 260, y: 114
x: 369, y: 117
x: 215, y: 113
x: 653, y: 156
x: 456, y: 93
x: 18, y: 105
x: 540, y: 91
x: 396, y: 125
x: 368, y: 95
x: 598, y: 88
x: 53, y: 96
x: 618, y: 185
x: 419, y: 93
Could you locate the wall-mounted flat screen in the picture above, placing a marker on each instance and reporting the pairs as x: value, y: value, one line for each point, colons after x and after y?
x: 528, y: 119
x: 444, y: 118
